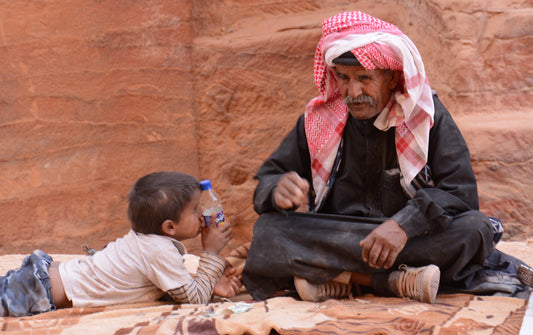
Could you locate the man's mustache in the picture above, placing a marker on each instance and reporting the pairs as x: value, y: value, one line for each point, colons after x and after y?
x: 359, y: 100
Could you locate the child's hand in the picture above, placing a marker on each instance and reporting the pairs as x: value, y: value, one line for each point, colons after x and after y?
x: 215, y: 238
x: 228, y: 285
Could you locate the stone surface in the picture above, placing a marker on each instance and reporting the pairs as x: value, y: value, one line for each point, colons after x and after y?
x: 95, y: 94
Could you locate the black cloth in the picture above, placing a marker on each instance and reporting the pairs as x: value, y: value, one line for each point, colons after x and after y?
x: 368, y: 181
x: 321, y: 246
x: 443, y: 223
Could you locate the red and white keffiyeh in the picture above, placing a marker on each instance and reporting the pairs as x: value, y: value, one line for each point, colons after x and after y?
x: 377, y: 45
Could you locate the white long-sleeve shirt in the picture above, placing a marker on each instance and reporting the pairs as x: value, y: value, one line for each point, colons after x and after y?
x: 139, y: 268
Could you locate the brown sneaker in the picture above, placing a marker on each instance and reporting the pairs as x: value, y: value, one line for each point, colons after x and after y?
x: 526, y: 275
x: 320, y: 292
x: 419, y: 284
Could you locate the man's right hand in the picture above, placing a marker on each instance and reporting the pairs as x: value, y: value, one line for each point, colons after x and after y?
x: 291, y: 191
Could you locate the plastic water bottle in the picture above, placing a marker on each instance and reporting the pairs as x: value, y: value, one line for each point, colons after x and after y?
x: 210, y: 203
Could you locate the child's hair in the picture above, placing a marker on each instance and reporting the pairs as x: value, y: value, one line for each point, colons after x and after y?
x: 158, y: 197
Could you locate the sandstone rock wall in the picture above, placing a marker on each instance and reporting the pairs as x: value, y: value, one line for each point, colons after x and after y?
x: 95, y: 94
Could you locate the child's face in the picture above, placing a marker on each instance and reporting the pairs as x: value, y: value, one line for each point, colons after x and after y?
x: 189, y: 223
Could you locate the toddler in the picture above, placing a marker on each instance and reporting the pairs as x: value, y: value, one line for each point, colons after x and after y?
x: 144, y: 265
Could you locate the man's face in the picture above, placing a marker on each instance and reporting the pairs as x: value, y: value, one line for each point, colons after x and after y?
x: 365, y: 92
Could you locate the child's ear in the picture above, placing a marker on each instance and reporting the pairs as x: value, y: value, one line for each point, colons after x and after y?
x: 169, y: 227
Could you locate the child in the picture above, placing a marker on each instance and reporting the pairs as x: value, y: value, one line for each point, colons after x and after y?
x: 141, y: 266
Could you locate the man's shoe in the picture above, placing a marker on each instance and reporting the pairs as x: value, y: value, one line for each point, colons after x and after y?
x: 420, y: 284
x: 526, y: 275
x: 320, y: 292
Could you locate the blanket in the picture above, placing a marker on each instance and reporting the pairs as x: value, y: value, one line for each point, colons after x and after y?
x: 451, y: 314
x: 286, y: 314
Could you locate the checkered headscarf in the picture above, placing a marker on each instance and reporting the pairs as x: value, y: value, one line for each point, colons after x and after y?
x: 377, y: 45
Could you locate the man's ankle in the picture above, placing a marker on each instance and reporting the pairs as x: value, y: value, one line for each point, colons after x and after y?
x: 380, y: 284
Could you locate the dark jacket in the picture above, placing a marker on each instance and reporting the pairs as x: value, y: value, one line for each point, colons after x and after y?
x: 368, y: 181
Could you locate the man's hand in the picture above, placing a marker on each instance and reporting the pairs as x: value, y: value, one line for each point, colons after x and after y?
x: 228, y: 285
x: 383, y: 244
x: 291, y: 191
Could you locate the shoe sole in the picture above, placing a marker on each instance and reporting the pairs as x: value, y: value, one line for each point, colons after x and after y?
x: 526, y: 275
x: 431, y: 278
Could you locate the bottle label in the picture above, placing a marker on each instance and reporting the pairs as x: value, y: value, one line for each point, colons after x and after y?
x: 220, y: 220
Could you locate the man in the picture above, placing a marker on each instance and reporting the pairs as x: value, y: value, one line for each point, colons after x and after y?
x: 385, y: 175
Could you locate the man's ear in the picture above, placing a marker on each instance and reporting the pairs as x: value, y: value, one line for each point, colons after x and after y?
x: 169, y: 227
x: 395, y: 78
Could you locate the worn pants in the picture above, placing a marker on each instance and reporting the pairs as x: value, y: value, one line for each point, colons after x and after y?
x: 319, y: 247
x: 27, y: 290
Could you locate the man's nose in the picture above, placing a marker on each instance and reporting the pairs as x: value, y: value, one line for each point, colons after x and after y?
x: 354, y: 88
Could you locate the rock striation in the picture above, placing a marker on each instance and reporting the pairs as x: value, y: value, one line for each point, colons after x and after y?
x: 95, y: 94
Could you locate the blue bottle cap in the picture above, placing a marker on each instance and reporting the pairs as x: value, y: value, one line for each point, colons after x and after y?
x: 205, y: 185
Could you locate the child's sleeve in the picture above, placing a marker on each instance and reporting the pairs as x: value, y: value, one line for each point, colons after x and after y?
x: 200, y: 289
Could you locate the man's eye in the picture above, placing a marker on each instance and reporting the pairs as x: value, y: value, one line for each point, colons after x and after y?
x: 341, y: 76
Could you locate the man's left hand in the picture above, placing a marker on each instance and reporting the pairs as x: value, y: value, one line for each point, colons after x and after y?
x: 383, y: 244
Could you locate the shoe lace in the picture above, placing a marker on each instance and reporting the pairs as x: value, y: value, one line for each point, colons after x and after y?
x: 407, y: 281
x: 335, y: 290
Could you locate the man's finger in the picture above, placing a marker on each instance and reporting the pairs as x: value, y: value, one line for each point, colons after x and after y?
x: 390, y: 260
x: 374, y: 255
x: 291, y: 190
x: 383, y: 258
x: 284, y: 197
x: 366, y: 249
x: 299, y: 182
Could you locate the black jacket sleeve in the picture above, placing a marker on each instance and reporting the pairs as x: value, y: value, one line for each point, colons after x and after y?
x: 292, y: 155
x: 455, y: 188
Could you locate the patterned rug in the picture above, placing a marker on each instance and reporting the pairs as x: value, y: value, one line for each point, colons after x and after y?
x: 451, y: 314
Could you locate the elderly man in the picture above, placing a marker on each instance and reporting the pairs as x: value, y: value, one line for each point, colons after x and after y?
x: 385, y: 177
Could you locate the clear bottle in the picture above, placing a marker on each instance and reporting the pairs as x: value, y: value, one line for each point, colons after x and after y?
x: 210, y: 203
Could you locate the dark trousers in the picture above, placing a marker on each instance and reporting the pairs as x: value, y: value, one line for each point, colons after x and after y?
x: 319, y: 247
